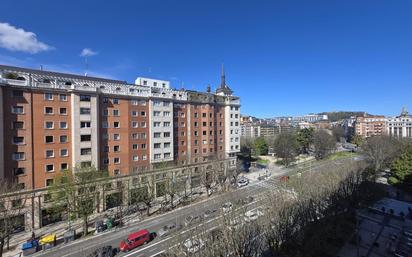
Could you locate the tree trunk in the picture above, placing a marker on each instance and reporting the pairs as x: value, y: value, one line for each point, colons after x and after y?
x: 148, y: 209
x: 85, y: 227
x: 1, y: 246
x: 171, y: 201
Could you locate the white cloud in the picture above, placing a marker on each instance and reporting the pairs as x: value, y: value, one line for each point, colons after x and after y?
x: 86, y: 52
x: 15, y: 39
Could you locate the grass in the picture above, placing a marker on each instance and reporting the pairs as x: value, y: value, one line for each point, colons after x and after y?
x: 264, y: 162
x: 340, y: 155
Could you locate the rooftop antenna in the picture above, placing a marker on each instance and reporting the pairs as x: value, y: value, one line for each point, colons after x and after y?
x: 87, y: 65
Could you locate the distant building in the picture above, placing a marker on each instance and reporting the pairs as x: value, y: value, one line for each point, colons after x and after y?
x: 311, y: 118
x: 400, y: 126
x: 367, y: 126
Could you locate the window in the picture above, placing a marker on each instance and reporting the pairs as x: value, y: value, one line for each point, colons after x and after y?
x: 196, y: 133
x: 85, y: 151
x: 157, y: 145
x: 17, y: 93
x: 106, y: 149
x: 105, y: 100
x: 84, y: 110
x: 156, y: 113
x: 166, y: 145
x: 116, y: 124
x: 144, y: 82
x: 134, y: 136
x: 105, y: 112
x: 115, y: 101
x: 134, y: 113
x: 142, y: 102
x: 63, y: 139
x: 204, y: 115
x: 85, y: 138
x: 182, y: 114
x: 49, y: 168
x: 116, y: 148
x: 143, y: 135
x: 63, y: 97
x: 166, y: 124
x: 204, y: 124
x: 19, y: 172
x: 84, y: 98
x: 135, y: 158
x: 49, y: 139
x: 48, y: 96
x: 157, y: 103
x: 17, y: 110
x: 85, y: 124
x: 134, y: 102
x: 143, y: 114
x: 64, y: 152
x: 49, y: 182
x: 116, y: 137
x: 64, y: 166
x: 63, y: 125
x: 157, y: 156
x: 157, y: 135
x: 166, y: 134
x: 155, y: 84
x: 166, y: 104
x: 156, y: 124
x: 48, y: 125
x: 116, y: 160
x: 134, y: 124
x: 19, y: 156
x: 63, y: 111
x: 196, y: 114
x: 134, y: 146
x: 115, y: 112
x: 106, y: 161
x: 49, y: 153
x: 167, y: 155
x: 143, y: 146
x: 18, y: 125
x: 48, y: 110
x: 144, y: 157
x: 18, y: 140
x: 166, y: 114
x: 204, y: 133
x: 143, y: 124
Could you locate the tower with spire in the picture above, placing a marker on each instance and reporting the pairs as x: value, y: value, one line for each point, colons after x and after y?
x: 223, y: 89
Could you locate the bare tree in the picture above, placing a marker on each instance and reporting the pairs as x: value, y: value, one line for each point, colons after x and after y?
x: 324, y: 144
x: 12, y: 207
x: 379, y: 151
x: 286, y: 147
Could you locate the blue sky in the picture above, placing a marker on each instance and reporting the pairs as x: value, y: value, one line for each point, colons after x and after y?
x: 285, y: 57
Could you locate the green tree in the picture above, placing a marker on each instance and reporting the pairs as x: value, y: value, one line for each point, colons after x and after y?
x: 261, y: 147
x: 286, y: 146
x: 305, y: 139
x: 76, y: 192
x: 324, y: 144
x: 402, y: 166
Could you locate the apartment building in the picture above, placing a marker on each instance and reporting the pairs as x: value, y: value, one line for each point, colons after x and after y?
x: 400, y: 126
x: 367, y: 126
x: 54, y: 121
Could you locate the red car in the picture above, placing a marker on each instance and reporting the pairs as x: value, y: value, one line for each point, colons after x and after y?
x: 135, y: 240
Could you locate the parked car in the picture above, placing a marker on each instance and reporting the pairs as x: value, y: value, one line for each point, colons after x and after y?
x: 135, y: 240
x: 242, y: 182
x: 105, y: 251
x: 169, y: 228
x: 193, y: 245
x: 253, y: 215
x: 192, y: 219
x: 227, y: 207
x: 209, y: 213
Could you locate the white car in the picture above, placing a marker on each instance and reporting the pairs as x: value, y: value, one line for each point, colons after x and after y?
x: 193, y: 245
x: 253, y: 215
x: 242, y: 182
x: 227, y: 207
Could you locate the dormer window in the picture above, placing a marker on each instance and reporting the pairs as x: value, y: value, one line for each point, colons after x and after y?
x: 85, y: 85
x: 102, y: 87
x: 68, y: 83
x: 118, y: 89
x: 46, y: 81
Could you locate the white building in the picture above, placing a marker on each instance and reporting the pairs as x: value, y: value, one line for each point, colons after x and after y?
x: 400, y: 126
x: 148, y: 82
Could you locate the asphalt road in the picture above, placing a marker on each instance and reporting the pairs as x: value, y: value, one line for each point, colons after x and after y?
x: 256, y: 189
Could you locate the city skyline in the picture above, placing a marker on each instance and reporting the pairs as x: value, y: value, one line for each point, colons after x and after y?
x: 316, y: 57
